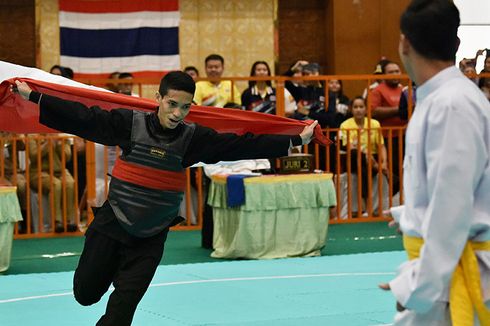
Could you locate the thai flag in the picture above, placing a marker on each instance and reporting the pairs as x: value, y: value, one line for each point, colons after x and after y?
x: 101, y: 37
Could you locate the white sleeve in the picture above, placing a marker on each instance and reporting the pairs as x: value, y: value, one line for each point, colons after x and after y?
x: 454, y: 155
x: 397, y: 212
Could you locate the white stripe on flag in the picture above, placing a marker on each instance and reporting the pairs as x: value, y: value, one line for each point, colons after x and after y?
x: 126, y: 64
x: 119, y: 20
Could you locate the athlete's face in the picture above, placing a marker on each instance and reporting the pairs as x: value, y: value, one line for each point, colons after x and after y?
x: 173, y: 107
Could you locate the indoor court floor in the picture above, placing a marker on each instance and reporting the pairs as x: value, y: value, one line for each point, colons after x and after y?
x: 327, y: 290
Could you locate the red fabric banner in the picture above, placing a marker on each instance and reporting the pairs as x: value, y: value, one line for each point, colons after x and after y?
x: 21, y: 116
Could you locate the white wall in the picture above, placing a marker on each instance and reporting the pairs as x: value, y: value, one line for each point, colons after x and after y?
x: 474, y: 31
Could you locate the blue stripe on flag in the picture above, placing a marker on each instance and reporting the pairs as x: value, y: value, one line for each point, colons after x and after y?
x: 119, y: 42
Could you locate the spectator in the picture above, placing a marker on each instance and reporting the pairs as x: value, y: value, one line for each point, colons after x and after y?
x: 403, y: 106
x: 294, y: 86
x: 42, y: 174
x: 11, y: 178
x: 311, y: 101
x: 378, y: 70
x: 260, y: 96
x: 125, y: 85
x: 337, y: 99
x: 483, y: 82
x: 386, y: 97
x: 385, y: 101
x: 78, y: 146
x: 311, y: 105
x: 192, y: 71
x: 465, y: 62
x: 62, y: 71
x: 311, y: 97
x: 216, y: 92
x: 486, y: 63
x: 352, y: 141
x: 113, y: 86
x: 485, y: 86
x: 468, y: 67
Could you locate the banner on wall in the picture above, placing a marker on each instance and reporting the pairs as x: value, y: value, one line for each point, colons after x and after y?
x: 98, y: 38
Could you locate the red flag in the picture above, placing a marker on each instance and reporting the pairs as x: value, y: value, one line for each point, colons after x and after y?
x: 21, y: 116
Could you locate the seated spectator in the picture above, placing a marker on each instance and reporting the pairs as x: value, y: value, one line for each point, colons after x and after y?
x: 385, y: 101
x: 62, y: 71
x: 311, y: 101
x: 192, y: 71
x: 260, y: 96
x: 216, y: 92
x: 103, y: 170
x: 375, y: 153
x: 469, y: 69
x: 41, y: 174
x: 311, y: 98
x: 486, y: 63
x: 485, y: 86
x: 403, y: 106
x: 10, y: 178
x: 78, y: 146
x: 486, y: 70
x: 113, y: 86
x: 337, y: 100
x: 294, y: 86
x: 378, y: 70
x: 386, y: 97
x: 232, y: 105
x: 125, y: 85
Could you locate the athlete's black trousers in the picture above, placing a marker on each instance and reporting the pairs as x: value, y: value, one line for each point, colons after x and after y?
x: 129, y: 267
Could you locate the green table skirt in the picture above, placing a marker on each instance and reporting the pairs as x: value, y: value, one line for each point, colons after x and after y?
x: 9, y: 214
x: 285, y: 216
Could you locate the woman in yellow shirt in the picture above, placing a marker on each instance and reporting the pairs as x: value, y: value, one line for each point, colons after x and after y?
x: 357, y: 136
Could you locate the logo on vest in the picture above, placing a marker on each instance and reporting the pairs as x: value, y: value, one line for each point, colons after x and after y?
x: 158, y: 152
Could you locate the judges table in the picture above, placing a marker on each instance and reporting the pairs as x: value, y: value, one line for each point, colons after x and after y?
x: 282, y: 216
x: 9, y: 214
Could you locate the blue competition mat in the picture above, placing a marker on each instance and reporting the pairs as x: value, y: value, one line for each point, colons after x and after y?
x: 328, y: 290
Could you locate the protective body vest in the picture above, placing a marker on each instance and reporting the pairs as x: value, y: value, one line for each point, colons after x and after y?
x: 148, y: 181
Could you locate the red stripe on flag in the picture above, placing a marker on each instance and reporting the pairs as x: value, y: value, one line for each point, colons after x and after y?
x: 118, y: 6
x: 144, y: 77
x: 149, y: 177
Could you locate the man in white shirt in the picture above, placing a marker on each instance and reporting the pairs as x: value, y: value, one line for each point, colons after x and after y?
x: 446, y: 217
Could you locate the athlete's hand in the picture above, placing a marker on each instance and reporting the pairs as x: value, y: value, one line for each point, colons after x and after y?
x: 22, y: 88
x: 307, y: 133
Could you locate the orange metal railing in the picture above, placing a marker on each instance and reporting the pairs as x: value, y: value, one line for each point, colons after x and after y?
x: 336, y: 159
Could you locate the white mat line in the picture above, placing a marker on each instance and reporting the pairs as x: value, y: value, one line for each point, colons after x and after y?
x: 37, y: 297
x: 238, y: 279
x: 274, y: 277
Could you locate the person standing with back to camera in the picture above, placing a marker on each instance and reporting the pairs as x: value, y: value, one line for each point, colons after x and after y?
x: 446, y: 217
x: 124, y: 244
